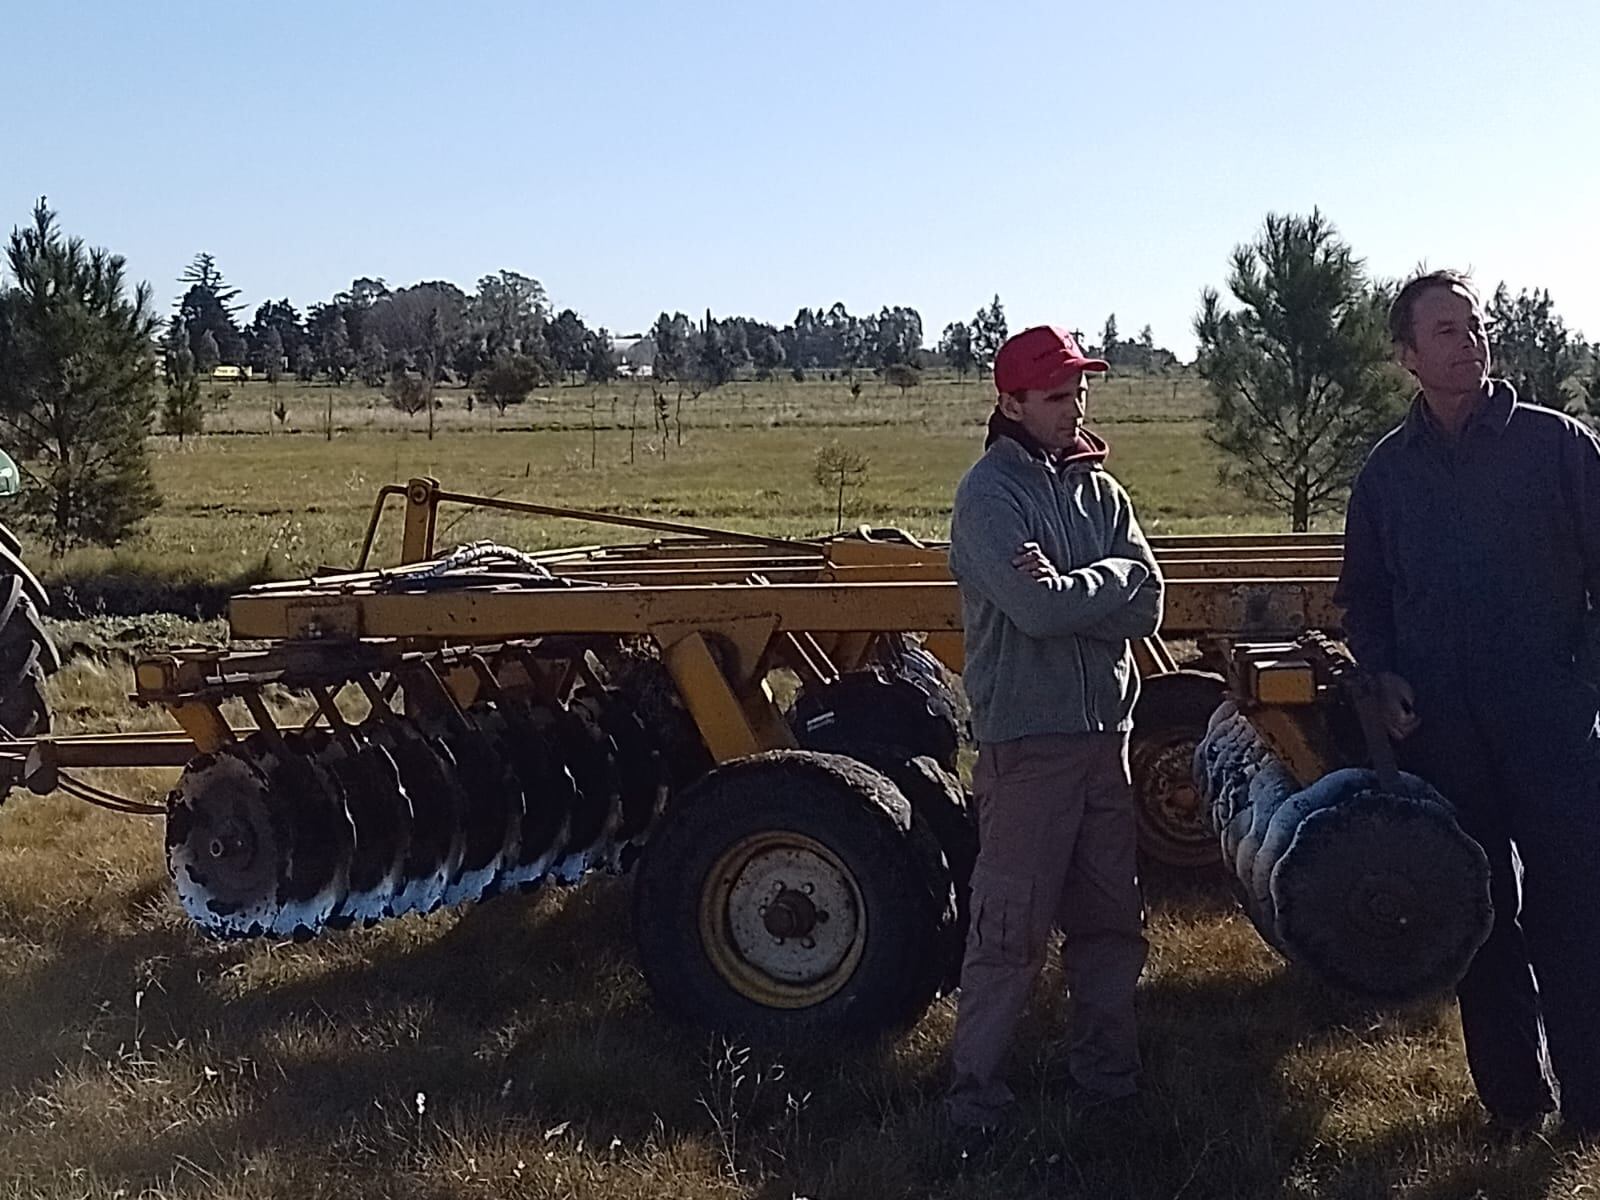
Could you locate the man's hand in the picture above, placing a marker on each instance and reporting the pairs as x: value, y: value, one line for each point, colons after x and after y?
x: 1398, y: 706
x: 1034, y: 563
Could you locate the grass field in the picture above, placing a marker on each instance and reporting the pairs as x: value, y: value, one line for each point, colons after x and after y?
x: 254, y: 496
x: 512, y: 1050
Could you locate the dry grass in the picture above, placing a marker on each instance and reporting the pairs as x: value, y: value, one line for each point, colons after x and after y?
x: 511, y: 1050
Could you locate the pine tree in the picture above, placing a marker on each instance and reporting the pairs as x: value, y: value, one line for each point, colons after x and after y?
x: 77, y: 384
x: 272, y: 353
x: 600, y: 364
x: 956, y: 346
x: 210, y: 306
x: 181, y: 411
x: 206, y: 355
x: 1108, y: 339
x: 1300, y: 371
x: 1530, y: 345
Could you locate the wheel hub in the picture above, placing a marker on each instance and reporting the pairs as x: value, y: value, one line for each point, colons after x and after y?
x: 1381, y: 905
x: 1173, y: 825
x: 221, y: 847
x: 782, y: 920
x: 790, y: 914
x: 1177, y: 800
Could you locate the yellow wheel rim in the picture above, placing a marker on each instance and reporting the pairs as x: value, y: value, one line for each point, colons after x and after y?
x: 781, y: 919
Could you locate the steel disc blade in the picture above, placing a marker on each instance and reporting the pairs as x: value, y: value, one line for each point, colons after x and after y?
x: 438, y: 806
x: 381, y: 815
x: 1383, y: 895
x: 641, y: 766
x: 547, y: 793
x: 316, y: 870
x: 587, y: 752
x: 484, y: 779
x: 224, y: 846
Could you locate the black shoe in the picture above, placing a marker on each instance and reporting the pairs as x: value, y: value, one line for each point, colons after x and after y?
x: 1504, y: 1127
x: 1584, y: 1132
x: 1084, y: 1100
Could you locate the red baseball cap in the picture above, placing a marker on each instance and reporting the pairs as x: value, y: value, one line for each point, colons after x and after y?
x: 1042, y: 357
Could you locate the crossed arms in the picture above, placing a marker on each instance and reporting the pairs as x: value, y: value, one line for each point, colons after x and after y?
x: 1113, y: 598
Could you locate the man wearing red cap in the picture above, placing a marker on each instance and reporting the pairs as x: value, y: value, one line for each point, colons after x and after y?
x: 1055, y: 578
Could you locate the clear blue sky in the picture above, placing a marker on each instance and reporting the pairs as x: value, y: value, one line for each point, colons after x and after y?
x: 755, y: 157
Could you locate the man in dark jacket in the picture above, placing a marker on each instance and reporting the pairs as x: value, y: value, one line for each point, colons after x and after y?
x: 1055, y: 577
x: 1471, y: 574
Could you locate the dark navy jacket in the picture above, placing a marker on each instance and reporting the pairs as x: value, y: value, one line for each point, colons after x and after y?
x: 1478, y: 561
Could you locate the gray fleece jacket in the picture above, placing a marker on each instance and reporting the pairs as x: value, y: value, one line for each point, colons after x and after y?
x: 1050, y: 656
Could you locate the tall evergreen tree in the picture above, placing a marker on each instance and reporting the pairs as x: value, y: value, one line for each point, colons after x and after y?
x: 272, y: 355
x: 600, y: 363
x: 989, y: 333
x: 956, y: 346
x: 209, y: 305
x: 1530, y: 345
x: 1300, y: 371
x: 207, y: 355
x: 181, y: 411
x: 1108, y: 338
x: 77, y: 384
x: 767, y: 354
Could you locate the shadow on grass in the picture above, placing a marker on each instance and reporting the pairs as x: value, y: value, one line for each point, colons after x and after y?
x: 527, y: 1017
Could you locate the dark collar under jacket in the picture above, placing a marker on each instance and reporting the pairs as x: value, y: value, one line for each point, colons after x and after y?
x: 1089, y: 451
x: 1494, y: 410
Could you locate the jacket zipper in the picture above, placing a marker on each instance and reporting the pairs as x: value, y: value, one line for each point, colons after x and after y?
x: 1077, y: 644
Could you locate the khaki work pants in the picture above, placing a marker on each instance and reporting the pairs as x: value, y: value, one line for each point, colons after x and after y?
x: 1057, y: 837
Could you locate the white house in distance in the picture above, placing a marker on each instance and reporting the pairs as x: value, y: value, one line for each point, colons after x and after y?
x: 635, y: 355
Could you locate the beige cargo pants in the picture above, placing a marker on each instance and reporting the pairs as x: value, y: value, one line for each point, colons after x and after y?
x: 1056, y: 823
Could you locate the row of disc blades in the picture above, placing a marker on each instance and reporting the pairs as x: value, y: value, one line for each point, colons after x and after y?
x: 285, y: 835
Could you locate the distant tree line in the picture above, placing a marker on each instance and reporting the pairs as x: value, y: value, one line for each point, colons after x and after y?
x: 1297, y: 365
x: 507, y: 333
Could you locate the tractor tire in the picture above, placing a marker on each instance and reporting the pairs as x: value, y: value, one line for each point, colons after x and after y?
x: 1168, y: 723
x: 909, y: 660
x: 27, y: 655
x: 793, y: 897
x: 939, y: 801
x: 881, y: 707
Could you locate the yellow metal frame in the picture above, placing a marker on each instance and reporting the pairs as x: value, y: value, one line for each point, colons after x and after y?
x: 724, y: 608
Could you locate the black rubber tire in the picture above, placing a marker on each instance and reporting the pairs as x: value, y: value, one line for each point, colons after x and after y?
x: 877, y: 706
x: 937, y: 799
x: 860, y: 818
x: 1168, y: 723
x: 27, y: 657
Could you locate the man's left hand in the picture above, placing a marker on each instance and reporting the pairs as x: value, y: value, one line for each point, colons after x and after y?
x: 1034, y: 563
